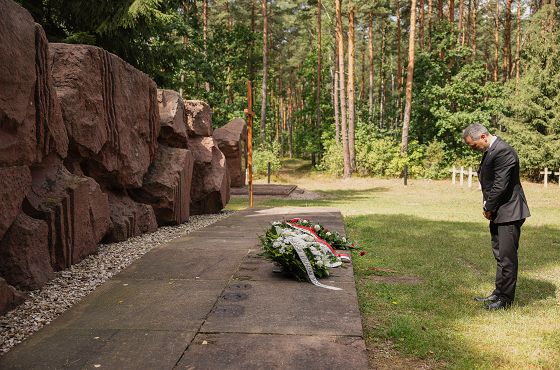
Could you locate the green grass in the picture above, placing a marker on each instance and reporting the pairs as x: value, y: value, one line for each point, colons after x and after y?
x: 434, y: 233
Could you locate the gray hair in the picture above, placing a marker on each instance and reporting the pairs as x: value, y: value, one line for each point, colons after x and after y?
x: 474, y: 131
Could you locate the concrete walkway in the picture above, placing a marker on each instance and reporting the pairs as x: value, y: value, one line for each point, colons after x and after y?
x: 206, y: 301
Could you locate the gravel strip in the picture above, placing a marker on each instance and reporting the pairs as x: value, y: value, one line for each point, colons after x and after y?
x: 304, y: 195
x: 71, y: 285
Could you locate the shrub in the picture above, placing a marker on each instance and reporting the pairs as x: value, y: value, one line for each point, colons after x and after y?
x: 264, y: 154
x: 382, y: 157
x: 434, y: 163
x: 333, y: 161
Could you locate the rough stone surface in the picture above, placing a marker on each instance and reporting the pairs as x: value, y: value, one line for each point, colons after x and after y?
x: 129, y: 218
x: 111, y: 112
x: 167, y: 185
x: 210, y: 185
x: 172, y: 118
x: 9, y: 297
x: 75, y: 209
x: 199, y: 118
x: 31, y: 124
x: 24, y: 254
x: 232, y: 141
x: 14, y: 184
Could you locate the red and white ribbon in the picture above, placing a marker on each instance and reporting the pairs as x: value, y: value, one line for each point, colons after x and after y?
x: 344, y: 257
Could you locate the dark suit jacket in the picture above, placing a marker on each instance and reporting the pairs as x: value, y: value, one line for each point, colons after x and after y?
x: 501, y: 187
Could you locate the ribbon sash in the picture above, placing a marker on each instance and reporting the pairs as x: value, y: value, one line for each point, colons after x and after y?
x: 298, y: 245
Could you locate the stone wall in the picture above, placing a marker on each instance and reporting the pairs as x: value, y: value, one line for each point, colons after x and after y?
x: 90, y: 151
x: 232, y: 141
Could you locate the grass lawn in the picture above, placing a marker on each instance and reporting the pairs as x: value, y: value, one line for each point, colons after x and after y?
x: 428, y: 256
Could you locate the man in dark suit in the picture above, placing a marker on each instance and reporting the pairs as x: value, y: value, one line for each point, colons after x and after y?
x: 504, y: 204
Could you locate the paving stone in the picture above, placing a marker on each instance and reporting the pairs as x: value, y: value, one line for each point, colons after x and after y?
x: 176, y: 262
x: 258, y: 351
x: 104, y: 349
x: 286, y: 307
x: 145, y: 304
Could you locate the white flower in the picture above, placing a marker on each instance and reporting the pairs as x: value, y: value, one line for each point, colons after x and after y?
x: 314, y: 251
x: 308, y: 238
x: 276, y: 244
x: 317, y: 227
x: 305, y: 221
x: 344, y: 239
x: 329, y: 233
x: 319, y: 263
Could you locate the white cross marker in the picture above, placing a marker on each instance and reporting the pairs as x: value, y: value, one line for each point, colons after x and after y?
x: 546, y: 173
x: 453, y: 174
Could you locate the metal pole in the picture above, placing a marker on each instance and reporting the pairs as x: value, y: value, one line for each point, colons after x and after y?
x: 250, y: 114
x: 269, y: 172
x: 405, y: 174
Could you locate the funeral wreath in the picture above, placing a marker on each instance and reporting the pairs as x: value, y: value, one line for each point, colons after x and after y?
x: 298, y: 246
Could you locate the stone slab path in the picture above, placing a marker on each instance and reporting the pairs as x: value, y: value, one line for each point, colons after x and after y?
x: 207, y: 301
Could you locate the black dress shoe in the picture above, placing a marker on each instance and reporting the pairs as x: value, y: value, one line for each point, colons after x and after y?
x: 500, y: 304
x: 490, y: 298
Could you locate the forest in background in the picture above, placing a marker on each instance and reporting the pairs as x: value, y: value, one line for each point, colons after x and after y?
x: 359, y: 87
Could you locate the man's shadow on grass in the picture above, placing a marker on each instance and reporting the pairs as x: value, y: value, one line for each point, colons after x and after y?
x: 530, y: 290
x: 456, y: 246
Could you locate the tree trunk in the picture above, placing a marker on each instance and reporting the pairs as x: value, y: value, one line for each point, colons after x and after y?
x: 518, y: 48
x: 461, y: 21
x: 265, y: 70
x: 252, y: 47
x: 336, y: 99
x: 229, y: 78
x: 318, y: 93
x: 452, y: 11
x: 409, y: 78
x: 318, y: 98
x: 278, y: 113
x: 496, y: 40
x: 474, y: 30
x: 284, y: 125
x: 430, y: 13
x: 363, y: 75
x: 421, y: 24
x: 205, y: 36
x: 290, y: 123
x: 351, y: 91
x: 342, y: 87
x: 399, y: 58
x: 382, y: 78
x: 467, y: 27
x: 441, y: 53
x: 507, y: 42
x: 370, y: 62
